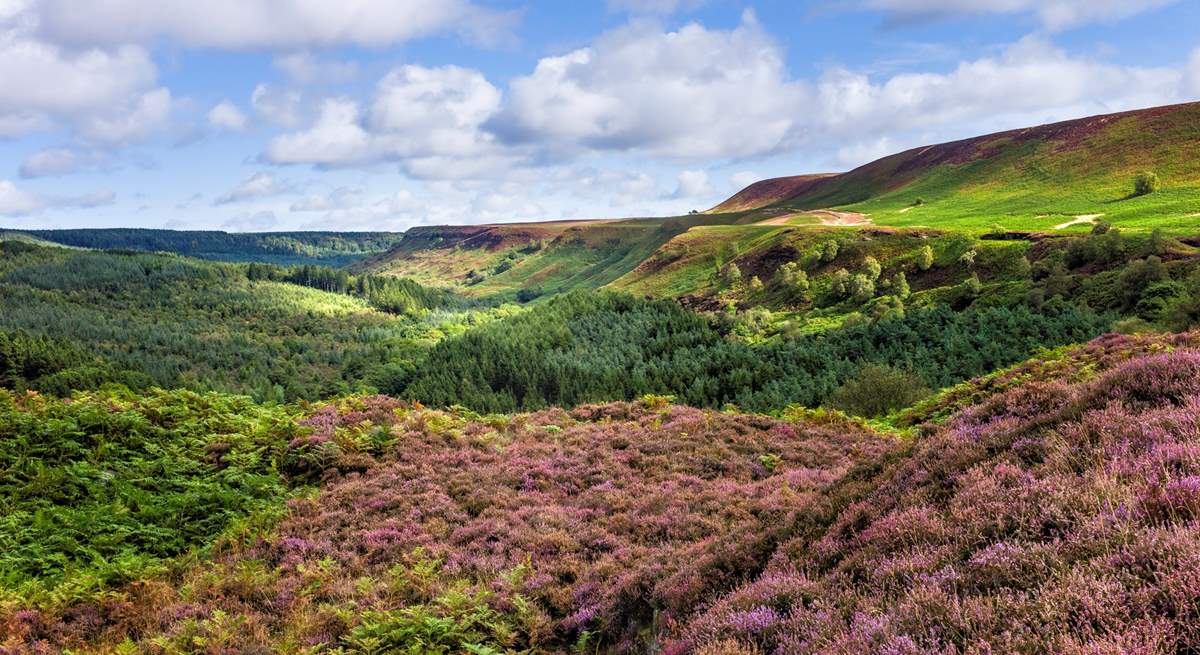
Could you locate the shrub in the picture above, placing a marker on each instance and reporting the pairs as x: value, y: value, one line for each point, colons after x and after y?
x: 925, y: 258
x: 1146, y: 183
x: 878, y: 390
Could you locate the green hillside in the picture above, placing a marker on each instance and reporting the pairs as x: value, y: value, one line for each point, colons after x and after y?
x: 500, y: 261
x: 1029, y: 179
x: 1025, y: 186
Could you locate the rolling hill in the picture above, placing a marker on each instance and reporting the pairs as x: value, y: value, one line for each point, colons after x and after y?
x: 1030, y: 179
x: 1031, y: 184
x: 1064, y: 504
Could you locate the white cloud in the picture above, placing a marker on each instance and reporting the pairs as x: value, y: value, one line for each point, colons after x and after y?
x: 339, y: 198
x: 259, y: 185
x: 260, y: 221
x: 89, y: 89
x: 1029, y: 83
x: 15, y: 202
x: 134, y: 121
x: 226, y: 116
x: 857, y: 153
x: 241, y: 24
x: 693, y: 184
x: 304, y: 68
x: 282, y: 107
x: 335, y: 138
x: 427, y: 118
x: 1191, y: 77
x: 49, y: 163
x: 655, y: 7
x: 1053, y: 14
x: 88, y: 201
x: 691, y: 93
x: 743, y: 179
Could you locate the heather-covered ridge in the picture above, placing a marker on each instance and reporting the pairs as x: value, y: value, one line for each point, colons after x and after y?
x: 1061, y: 496
x: 1056, y: 517
x: 1068, y: 364
x: 440, y: 532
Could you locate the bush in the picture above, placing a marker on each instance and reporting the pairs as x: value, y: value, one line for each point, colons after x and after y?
x: 877, y: 390
x: 1146, y: 183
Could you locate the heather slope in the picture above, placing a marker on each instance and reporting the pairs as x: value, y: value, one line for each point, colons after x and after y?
x: 441, y: 532
x: 1066, y: 506
x: 1067, y: 511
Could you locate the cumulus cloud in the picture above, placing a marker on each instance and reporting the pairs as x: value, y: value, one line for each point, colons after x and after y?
x: 15, y: 201
x: 304, y: 68
x: 335, y: 138
x: 281, y: 107
x: 689, y: 93
x: 1053, y: 14
x: 693, y: 184
x: 259, y: 185
x: 1031, y: 81
x: 656, y: 7
x: 136, y: 120
x: 242, y: 24
x: 743, y: 179
x: 90, y: 200
x: 93, y: 90
x: 260, y: 221
x: 1191, y: 77
x: 339, y: 198
x: 226, y: 116
x: 427, y: 118
x: 50, y: 162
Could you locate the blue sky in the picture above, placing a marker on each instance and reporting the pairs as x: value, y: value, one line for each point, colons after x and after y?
x: 384, y: 114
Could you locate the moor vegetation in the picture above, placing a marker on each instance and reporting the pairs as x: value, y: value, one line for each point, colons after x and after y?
x: 955, y: 409
x: 1067, y: 507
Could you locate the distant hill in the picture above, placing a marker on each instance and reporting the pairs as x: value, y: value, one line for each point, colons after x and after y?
x: 769, y: 192
x: 1032, y: 178
x: 534, y: 258
x: 285, y: 248
x: 1030, y: 184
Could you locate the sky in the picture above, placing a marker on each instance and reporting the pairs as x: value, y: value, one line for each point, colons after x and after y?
x: 268, y: 115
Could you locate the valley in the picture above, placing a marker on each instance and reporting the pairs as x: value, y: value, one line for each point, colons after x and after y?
x: 894, y: 410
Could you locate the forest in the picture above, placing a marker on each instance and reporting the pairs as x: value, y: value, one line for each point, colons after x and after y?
x: 83, y: 319
x: 584, y: 348
x: 285, y: 248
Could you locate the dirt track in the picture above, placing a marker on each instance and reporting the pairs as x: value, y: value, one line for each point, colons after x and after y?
x: 823, y: 216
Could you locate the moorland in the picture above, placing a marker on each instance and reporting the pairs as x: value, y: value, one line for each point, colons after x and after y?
x: 947, y: 402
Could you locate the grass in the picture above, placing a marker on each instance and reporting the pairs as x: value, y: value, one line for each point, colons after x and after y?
x: 1033, y: 183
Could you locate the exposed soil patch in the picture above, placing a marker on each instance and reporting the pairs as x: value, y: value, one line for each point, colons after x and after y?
x: 1078, y: 220
x: 823, y: 216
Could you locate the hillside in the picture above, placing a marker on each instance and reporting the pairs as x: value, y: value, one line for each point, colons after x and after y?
x: 1024, y: 186
x: 1027, y: 179
x: 285, y: 248
x: 1066, y: 503
x: 540, y: 258
x: 768, y: 192
x: 76, y: 319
